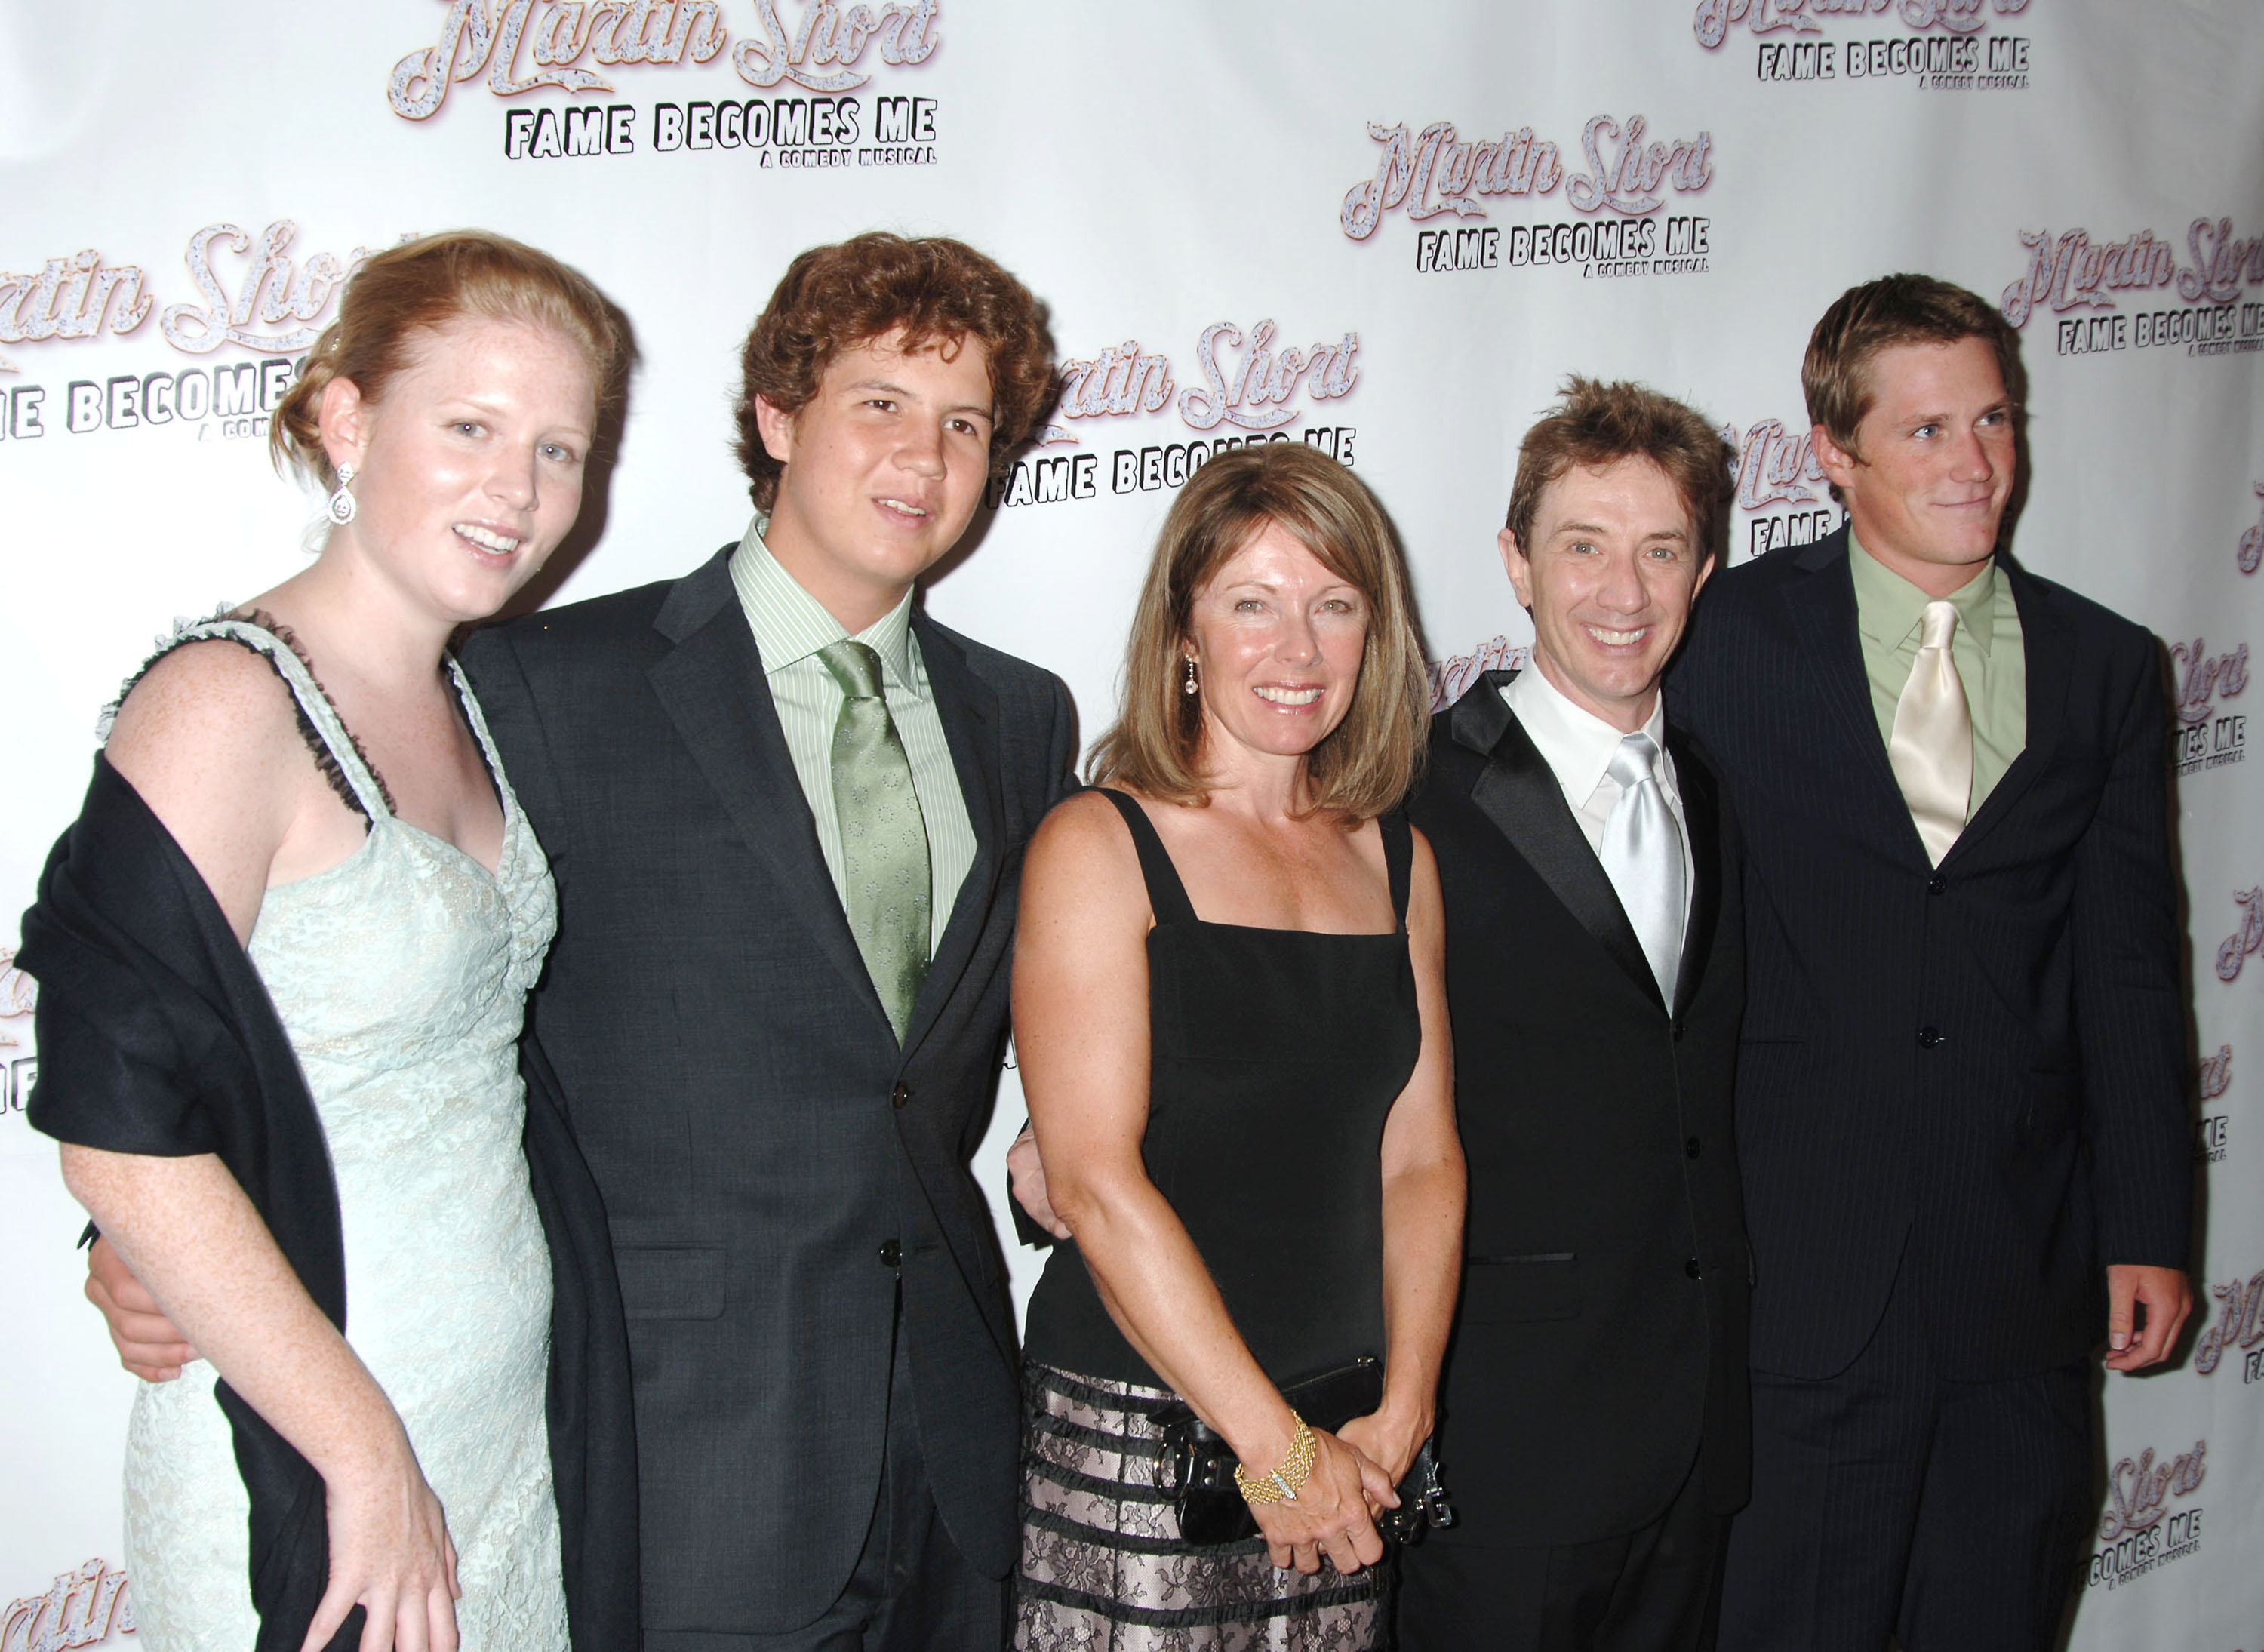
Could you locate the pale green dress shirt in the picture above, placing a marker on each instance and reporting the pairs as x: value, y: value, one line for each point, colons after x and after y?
x: 1991, y: 659
x: 790, y: 626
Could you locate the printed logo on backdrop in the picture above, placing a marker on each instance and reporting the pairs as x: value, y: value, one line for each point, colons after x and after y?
x: 259, y: 294
x: 2213, y: 1131
x: 1622, y: 190
x: 2236, y: 1334
x: 1783, y: 494
x: 2243, y: 942
x: 1944, y: 44
x: 1452, y: 676
x: 2251, y: 550
x: 2151, y: 1519
x: 19, y: 1063
x: 2206, y: 736
x: 88, y: 1606
x: 2196, y: 306
x: 809, y: 57
x: 1249, y: 384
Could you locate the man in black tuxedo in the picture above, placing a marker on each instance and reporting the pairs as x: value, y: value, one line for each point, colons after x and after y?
x: 1960, y: 1105
x: 1592, y: 1426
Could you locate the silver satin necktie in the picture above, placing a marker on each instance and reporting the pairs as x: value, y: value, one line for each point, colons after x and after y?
x: 1932, y: 747
x: 1643, y: 856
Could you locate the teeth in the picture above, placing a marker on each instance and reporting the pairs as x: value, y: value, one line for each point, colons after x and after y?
x: 1289, y: 696
x: 902, y: 509
x: 502, y: 544
x: 1617, y: 639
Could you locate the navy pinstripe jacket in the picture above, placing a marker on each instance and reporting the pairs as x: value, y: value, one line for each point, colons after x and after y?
x: 1969, y: 1077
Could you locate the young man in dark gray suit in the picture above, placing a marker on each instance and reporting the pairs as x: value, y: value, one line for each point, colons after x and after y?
x: 1960, y: 1108
x: 786, y: 812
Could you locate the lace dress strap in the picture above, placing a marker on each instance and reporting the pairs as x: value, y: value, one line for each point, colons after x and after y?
x: 315, y: 711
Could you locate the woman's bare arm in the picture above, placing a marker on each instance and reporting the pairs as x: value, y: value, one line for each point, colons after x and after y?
x: 1081, y: 1036
x: 209, y: 742
x: 1423, y: 1196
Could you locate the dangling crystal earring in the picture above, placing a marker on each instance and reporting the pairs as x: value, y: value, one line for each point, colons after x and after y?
x: 1189, y: 686
x: 342, y: 506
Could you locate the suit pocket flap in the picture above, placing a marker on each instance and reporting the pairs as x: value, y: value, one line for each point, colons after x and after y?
x: 1513, y: 1290
x: 670, y: 1281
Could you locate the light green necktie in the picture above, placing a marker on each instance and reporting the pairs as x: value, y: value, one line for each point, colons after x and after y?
x: 883, y: 839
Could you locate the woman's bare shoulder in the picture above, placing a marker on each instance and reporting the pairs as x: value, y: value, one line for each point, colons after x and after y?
x: 211, y: 702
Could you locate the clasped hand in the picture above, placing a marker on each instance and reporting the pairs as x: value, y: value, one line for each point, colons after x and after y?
x: 1335, y: 1510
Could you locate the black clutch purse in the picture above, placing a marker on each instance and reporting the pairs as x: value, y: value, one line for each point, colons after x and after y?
x: 1196, y: 1469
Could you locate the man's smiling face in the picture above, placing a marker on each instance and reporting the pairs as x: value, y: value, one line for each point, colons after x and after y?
x: 883, y: 469
x: 1609, y: 577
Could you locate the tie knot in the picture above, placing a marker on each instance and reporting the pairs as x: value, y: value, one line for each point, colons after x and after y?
x: 855, y: 665
x: 1634, y: 762
x: 1940, y: 625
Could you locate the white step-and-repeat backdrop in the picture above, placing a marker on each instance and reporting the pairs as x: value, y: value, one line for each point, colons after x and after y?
x: 1386, y: 230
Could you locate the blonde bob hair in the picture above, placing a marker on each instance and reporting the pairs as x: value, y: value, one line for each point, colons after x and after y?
x: 1365, y: 765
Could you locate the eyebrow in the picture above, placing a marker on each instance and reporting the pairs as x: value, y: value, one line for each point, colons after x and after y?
x: 1594, y: 527
x: 899, y: 390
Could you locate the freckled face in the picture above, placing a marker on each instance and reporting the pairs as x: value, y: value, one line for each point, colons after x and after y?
x: 1277, y: 640
x: 1609, y: 579
x: 469, y: 472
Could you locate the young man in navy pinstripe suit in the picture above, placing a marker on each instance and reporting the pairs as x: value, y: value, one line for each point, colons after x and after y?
x: 1960, y: 1089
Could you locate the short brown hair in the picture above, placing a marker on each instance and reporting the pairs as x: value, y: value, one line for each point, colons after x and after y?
x: 1895, y: 309
x: 1368, y: 763
x: 426, y: 284
x: 1597, y: 424
x: 934, y: 290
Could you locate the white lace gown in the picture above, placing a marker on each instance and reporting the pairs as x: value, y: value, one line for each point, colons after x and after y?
x: 399, y: 974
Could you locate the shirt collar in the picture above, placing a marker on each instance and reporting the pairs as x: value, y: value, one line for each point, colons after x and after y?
x: 1576, y: 743
x: 1890, y: 609
x: 790, y: 625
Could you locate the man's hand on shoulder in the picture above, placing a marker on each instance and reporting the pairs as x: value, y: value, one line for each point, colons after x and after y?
x: 2166, y: 1296
x: 148, y: 1345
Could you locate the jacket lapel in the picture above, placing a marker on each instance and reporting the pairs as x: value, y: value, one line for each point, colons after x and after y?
x: 969, y: 713
x: 1824, y: 611
x: 1517, y: 791
x: 1701, y: 817
x: 2048, y: 650
x: 712, y: 686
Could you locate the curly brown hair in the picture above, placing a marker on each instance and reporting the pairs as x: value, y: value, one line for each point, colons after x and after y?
x: 933, y: 290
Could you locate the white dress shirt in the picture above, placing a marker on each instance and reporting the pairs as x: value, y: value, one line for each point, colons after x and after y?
x: 1578, y: 746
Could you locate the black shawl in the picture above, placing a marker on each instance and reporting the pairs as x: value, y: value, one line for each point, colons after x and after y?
x: 156, y: 1036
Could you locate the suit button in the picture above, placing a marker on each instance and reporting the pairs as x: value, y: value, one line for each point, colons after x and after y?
x: 1929, y: 1037
x: 898, y: 1096
x: 1678, y: 1032
x: 1936, y: 884
x: 892, y: 1254
x: 1691, y: 1267
x: 1690, y: 1148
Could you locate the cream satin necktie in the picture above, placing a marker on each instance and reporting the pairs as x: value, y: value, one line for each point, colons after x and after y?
x: 1642, y: 854
x: 1932, y: 748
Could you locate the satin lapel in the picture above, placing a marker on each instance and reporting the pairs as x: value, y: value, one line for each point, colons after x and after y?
x: 1701, y: 816
x: 2047, y: 651
x: 1824, y: 610
x: 969, y: 713
x: 1518, y: 793
x: 713, y: 688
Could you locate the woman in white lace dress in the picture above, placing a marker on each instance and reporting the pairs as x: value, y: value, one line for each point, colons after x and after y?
x: 325, y: 769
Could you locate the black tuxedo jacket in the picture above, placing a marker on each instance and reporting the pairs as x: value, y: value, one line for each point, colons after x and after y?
x: 1969, y: 1076
x: 773, y: 1162
x: 1600, y: 1345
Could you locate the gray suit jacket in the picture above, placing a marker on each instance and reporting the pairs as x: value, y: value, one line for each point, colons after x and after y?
x: 765, y: 1148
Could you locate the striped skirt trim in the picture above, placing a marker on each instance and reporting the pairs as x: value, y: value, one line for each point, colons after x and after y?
x: 1104, y: 1569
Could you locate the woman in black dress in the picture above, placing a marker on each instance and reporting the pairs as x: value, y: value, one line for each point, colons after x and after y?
x: 1231, y: 1022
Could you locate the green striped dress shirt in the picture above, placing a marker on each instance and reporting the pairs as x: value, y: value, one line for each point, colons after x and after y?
x: 790, y: 626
